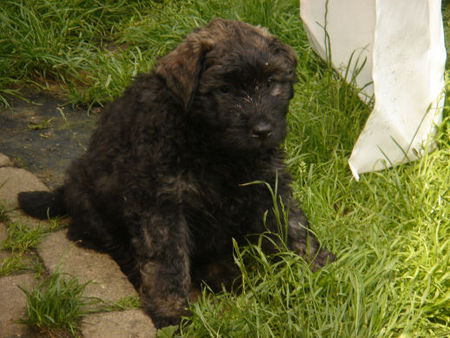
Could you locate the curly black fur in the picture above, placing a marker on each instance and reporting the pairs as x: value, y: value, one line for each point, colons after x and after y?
x: 160, y: 186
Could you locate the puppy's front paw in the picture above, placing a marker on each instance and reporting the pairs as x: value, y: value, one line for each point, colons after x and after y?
x: 310, y: 249
x: 165, y: 311
x: 161, y: 321
x: 322, y: 258
x: 163, y: 297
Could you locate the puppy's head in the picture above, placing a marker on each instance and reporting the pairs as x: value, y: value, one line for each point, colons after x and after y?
x: 234, y: 79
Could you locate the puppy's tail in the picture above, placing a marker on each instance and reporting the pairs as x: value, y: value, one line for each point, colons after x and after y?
x: 43, y: 204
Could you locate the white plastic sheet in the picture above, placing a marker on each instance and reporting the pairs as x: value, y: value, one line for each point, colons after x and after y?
x: 401, y: 45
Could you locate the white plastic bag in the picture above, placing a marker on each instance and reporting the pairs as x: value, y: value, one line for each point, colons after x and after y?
x: 401, y: 44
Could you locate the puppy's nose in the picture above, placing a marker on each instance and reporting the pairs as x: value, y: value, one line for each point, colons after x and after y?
x: 262, y: 130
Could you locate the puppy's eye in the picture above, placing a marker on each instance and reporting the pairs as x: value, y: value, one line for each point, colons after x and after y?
x: 224, y: 89
x: 269, y: 83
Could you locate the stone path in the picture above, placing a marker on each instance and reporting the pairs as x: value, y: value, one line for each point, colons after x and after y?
x: 108, y: 282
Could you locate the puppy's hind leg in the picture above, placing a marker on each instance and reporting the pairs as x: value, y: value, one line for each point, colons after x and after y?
x: 87, y: 226
x: 90, y: 228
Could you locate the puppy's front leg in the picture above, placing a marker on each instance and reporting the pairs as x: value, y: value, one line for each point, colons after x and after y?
x: 160, y: 240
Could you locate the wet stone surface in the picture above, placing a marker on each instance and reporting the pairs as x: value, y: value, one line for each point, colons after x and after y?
x: 44, y: 134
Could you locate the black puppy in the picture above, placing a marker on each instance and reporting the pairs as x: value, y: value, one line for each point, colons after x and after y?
x: 160, y: 187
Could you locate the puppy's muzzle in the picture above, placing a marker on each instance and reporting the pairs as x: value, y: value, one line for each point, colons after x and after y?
x: 262, y: 130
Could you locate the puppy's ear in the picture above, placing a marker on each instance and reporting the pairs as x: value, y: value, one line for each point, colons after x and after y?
x: 181, y: 67
x: 288, y: 53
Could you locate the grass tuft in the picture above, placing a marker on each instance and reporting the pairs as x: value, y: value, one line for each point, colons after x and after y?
x: 125, y: 303
x: 22, y: 238
x: 56, y: 305
x: 12, y: 264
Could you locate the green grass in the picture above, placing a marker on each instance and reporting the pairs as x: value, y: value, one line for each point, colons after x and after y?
x: 56, y: 305
x: 125, y: 303
x: 22, y: 238
x: 12, y: 264
x: 390, y: 231
x: 20, y: 242
x: 3, y: 216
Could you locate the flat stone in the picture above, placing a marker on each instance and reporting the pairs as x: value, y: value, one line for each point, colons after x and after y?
x: 18, y: 216
x: 108, y: 281
x: 15, y: 180
x: 5, y: 161
x: 130, y: 323
x: 13, y: 302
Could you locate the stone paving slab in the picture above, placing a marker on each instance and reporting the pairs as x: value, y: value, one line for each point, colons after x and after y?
x: 5, y: 161
x: 109, y: 283
x: 130, y: 323
x: 15, y: 180
x: 13, y: 302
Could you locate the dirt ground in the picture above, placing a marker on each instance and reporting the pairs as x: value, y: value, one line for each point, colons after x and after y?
x: 43, y: 134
